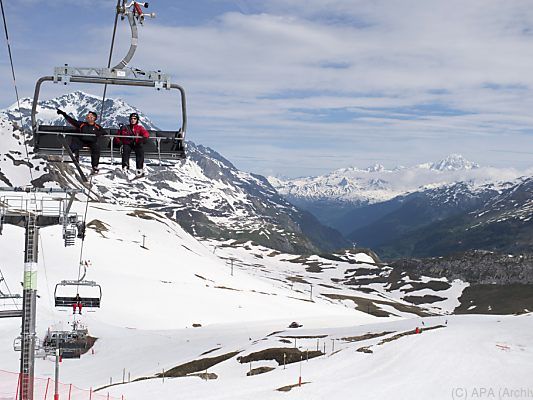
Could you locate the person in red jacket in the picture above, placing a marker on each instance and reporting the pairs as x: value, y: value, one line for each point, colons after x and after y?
x: 136, y: 144
x: 77, y: 303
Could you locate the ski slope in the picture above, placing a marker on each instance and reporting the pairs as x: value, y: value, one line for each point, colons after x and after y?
x: 152, y: 296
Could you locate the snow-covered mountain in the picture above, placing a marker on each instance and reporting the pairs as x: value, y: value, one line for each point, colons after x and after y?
x: 454, y: 162
x: 377, y: 184
x: 184, y: 316
x: 446, y: 220
x: 77, y: 104
x: 205, y: 193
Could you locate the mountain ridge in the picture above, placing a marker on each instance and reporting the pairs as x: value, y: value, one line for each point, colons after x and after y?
x: 206, y: 193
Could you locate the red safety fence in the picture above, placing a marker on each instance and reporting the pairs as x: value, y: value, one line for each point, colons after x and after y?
x: 44, y: 388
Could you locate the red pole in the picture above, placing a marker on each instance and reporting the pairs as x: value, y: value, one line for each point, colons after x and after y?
x: 90, y: 393
x: 46, y: 390
x: 18, y: 386
x: 107, y: 395
x: 69, y: 390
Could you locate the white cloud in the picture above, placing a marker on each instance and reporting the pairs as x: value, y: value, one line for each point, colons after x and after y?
x: 392, y: 80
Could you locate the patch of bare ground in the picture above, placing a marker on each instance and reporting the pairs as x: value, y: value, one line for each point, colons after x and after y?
x: 365, y: 305
x: 201, y: 364
x: 98, y: 226
x: 297, y: 279
x: 260, y: 370
x: 371, y: 306
x: 365, y: 349
x: 227, y: 288
x: 366, y: 336
x: 288, y: 388
x: 143, y: 214
x: 408, y: 333
x: 328, y: 286
x: 280, y: 355
x: 426, y: 299
x: 206, y: 376
x: 210, y: 351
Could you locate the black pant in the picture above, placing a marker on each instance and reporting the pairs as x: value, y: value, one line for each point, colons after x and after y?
x: 139, y: 154
x: 77, y: 143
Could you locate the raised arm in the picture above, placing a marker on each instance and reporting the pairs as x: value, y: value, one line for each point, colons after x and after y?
x: 69, y: 119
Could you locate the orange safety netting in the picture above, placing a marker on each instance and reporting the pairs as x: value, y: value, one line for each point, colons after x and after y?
x: 43, y: 389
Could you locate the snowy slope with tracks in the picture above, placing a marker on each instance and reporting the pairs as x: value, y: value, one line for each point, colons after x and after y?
x: 152, y: 296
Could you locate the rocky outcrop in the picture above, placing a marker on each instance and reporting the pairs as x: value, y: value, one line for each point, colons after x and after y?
x: 476, y: 267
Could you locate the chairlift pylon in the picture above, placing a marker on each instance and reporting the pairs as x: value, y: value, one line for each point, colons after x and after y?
x: 162, y: 145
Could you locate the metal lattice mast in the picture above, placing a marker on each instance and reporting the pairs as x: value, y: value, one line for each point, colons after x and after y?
x: 27, y: 358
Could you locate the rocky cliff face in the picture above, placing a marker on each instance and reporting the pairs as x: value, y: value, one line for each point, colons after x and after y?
x: 476, y: 267
x: 498, y: 283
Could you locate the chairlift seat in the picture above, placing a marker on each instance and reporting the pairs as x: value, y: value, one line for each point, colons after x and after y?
x: 162, y: 145
x: 10, y: 313
x: 86, y: 301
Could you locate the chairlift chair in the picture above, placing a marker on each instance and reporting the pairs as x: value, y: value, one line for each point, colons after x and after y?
x: 162, y: 145
x: 90, y: 293
x: 71, y: 343
x: 10, y: 312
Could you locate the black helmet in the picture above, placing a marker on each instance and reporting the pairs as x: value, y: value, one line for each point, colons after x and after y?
x: 134, y: 115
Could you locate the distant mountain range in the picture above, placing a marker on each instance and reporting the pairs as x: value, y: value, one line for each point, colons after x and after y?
x: 451, y: 219
x: 206, y: 194
x: 377, y: 184
x: 430, y: 209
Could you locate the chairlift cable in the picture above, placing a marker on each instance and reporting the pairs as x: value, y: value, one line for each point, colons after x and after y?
x: 109, y: 60
x: 45, y: 274
x: 7, y: 287
x: 16, y: 89
x: 85, y: 220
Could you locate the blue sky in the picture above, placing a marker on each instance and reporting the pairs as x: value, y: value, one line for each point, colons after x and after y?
x: 303, y: 87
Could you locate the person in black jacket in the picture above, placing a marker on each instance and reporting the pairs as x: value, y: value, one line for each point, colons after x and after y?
x: 91, y: 133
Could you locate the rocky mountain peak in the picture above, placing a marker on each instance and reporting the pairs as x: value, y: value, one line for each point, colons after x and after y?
x: 453, y: 162
x: 205, y: 193
x: 78, y: 104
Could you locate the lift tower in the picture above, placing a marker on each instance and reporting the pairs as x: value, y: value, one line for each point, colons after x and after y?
x: 32, y: 209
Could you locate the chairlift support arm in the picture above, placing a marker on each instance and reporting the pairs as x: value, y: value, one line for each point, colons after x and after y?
x: 134, y: 13
x: 106, y: 76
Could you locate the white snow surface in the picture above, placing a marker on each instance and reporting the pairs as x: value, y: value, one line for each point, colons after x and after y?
x: 153, y: 295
